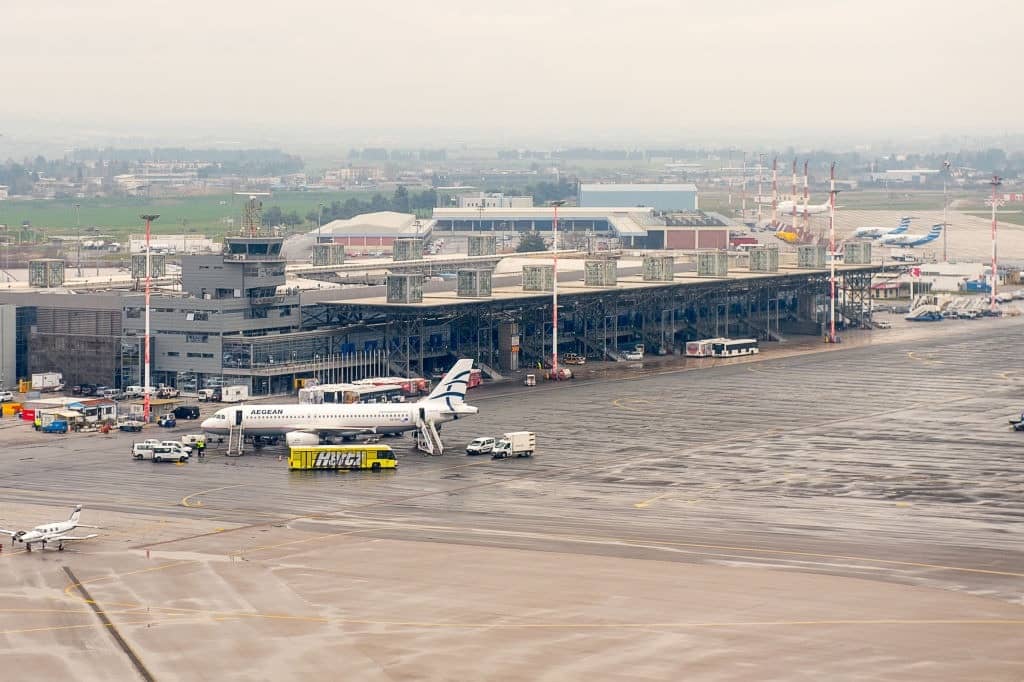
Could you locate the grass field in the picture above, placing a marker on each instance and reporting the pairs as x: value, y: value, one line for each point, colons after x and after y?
x: 117, y: 217
x: 1015, y: 217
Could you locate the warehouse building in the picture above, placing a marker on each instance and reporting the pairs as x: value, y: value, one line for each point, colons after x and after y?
x: 374, y: 232
x: 662, y: 197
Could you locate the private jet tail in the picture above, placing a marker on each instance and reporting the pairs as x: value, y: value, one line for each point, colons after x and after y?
x: 75, y: 514
x: 452, y: 388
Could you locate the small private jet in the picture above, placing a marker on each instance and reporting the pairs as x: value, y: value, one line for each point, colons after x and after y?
x: 56, y: 532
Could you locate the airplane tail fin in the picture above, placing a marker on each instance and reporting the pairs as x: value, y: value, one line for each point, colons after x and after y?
x: 75, y: 514
x: 903, y: 226
x: 452, y: 388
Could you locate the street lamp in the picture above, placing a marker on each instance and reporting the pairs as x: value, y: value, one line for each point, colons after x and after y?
x: 554, y: 290
x: 149, y: 218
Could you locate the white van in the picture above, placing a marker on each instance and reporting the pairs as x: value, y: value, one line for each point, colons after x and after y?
x: 133, y: 391
x: 480, y: 446
x: 167, y: 451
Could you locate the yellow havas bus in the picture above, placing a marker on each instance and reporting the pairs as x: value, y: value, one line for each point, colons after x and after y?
x: 364, y: 456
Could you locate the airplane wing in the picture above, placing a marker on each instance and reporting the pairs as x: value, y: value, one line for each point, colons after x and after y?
x: 8, y: 532
x: 62, y: 538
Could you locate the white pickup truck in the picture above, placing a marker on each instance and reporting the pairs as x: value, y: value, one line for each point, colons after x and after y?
x: 515, y: 444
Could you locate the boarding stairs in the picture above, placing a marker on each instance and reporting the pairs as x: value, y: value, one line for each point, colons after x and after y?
x: 236, y: 441
x: 428, y: 440
x: 491, y: 373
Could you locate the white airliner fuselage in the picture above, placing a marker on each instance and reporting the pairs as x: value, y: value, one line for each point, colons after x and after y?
x: 306, y: 424
x: 785, y: 207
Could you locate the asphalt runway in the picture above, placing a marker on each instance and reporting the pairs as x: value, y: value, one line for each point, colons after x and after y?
x: 852, y: 515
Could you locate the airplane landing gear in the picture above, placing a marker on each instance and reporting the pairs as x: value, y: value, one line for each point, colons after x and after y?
x: 60, y: 547
x: 28, y: 546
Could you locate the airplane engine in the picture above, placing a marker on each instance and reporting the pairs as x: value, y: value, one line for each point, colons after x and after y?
x: 299, y: 439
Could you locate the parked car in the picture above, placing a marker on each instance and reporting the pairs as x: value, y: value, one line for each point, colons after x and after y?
x: 186, y: 412
x: 130, y: 426
x: 574, y: 359
x: 56, y: 426
x: 633, y: 356
x: 167, y: 421
x: 883, y: 324
x: 6, y: 396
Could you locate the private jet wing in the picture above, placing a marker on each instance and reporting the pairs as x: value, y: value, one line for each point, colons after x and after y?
x: 64, y: 538
x: 12, y: 533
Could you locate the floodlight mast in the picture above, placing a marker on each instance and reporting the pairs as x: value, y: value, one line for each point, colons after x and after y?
x: 995, y: 182
x: 149, y: 218
x: 554, y: 290
x: 832, y: 252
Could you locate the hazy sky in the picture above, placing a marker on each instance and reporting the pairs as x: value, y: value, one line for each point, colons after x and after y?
x: 610, y: 69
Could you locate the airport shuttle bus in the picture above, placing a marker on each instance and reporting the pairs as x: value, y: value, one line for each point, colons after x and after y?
x: 702, y: 348
x: 727, y: 348
x: 332, y: 457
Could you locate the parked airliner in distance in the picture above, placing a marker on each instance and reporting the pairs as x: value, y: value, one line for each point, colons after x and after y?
x: 50, y: 532
x: 307, y: 424
x: 909, y: 241
x: 873, y: 232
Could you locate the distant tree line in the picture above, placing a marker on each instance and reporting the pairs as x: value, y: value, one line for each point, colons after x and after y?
x: 402, y: 201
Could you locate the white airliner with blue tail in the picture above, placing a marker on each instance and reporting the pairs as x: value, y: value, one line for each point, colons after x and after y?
x: 873, y: 232
x: 909, y: 241
x: 306, y: 425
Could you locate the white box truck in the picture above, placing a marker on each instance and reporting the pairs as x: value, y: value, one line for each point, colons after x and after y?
x: 47, y: 381
x: 515, y: 444
x: 234, y: 394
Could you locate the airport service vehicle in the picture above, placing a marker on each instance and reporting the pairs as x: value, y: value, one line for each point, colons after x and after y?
x: 163, y: 391
x: 480, y: 446
x: 50, y: 532
x: 130, y: 426
x: 530, y: 380
x: 192, y: 438
x: 925, y: 313
x: 47, y: 381
x: 515, y: 444
x: 476, y: 378
x: 6, y: 396
x: 702, y: 348
x: 305, y: 425
x: 112, y: 394
x: 205, y: 394
x: 56, y: 426
x: 167, y: 451
x: 364, y: 456
x: 186, y: 412
x: 727, y: 348
x: 167, y: 421
x: 187, y: 447
x: 883, y: 324
x: 574, y: 359
x: 632, y: 356
x: 234, y: 394
x: 133, y: 391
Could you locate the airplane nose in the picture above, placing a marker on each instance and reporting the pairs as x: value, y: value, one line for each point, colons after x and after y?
x: 207, y: 424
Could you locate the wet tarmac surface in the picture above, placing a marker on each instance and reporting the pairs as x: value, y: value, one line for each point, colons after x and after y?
x: 890, y: 464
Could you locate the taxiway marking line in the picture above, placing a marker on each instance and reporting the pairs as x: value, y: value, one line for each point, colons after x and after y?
x: 185, y: 500
x: 646, y: 503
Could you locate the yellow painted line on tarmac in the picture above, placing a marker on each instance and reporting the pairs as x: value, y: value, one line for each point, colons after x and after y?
x: 647, y: 503
x: 632, y: 404
x: 53, y: 628
x: 185, y: 500
x: 102, y: 578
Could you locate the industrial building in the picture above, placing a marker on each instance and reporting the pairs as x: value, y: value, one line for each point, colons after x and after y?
x: 235, y: 319
x: 374, y: 232
x: 662, y: 197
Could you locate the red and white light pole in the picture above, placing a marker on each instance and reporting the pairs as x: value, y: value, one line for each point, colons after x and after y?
x: 832, y: 252
x: 554, y: 291
x: 996, y: 181
x: 775, y: 192
x: 149, y: 280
